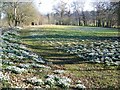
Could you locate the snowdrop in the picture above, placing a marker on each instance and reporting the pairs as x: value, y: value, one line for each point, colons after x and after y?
x: 16, y: 69
x: 22, y: 46
x: 34, y: 55
x: 11, y: 55
x: 79, y: 81
x: 47, y: 86
x: 80, y: 86
x: 17, y: 27
x: 62, y: 82
x: 7, y: 62
x: 40, y: 66
x: 91, y: 54
x: 66, y: 79
x: 35, y: 81
x: 50, y: 81
x: 96, y: 51
x: 24, y: 65
x: 116, y: 42
x: 58, y: 71
x: 117, y: 63
x: 39, y: 60
x: 4, y: 77
x: 13, y: 50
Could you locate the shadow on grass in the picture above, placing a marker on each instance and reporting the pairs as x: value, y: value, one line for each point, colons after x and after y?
x: 72, y: 37
x: 54, y: 55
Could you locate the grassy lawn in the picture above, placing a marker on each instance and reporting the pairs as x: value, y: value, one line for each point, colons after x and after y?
x: 43, y: 40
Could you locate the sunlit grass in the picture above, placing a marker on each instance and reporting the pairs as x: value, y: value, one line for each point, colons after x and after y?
x: 45, y: 38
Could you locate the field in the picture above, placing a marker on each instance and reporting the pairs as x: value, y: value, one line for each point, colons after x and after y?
x: 43, y: 40
x: 60, y: 47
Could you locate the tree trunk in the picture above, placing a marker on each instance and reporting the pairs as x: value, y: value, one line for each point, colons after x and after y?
x: 107, y: 24
x: 103, y: 24
x: 99, y: 23
x: 15, y: 14
x: 84, y: 19
x: 79, y: 21
x: 118, y: 13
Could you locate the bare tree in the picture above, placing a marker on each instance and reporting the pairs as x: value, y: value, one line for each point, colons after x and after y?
x: 99, y: 6
x: 18, y: 13
x: 78, y: 9
x: 60, y: 10
x: 115, y: 9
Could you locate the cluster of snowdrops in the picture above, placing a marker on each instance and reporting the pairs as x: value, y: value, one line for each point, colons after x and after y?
x: 14, y: 56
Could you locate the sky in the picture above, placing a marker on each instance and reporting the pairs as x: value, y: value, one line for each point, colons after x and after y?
x: 46, y: 6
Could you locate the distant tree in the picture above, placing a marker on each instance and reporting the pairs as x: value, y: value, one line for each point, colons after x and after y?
x: 60, y: 10
x: 18, y: 13
x: 69, y: 14
x: 99, y: 7
x: 107, y: 13
x: 115, y: 8
x: 78, y: 7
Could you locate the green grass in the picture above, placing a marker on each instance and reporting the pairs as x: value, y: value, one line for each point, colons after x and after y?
x: 44, y: 39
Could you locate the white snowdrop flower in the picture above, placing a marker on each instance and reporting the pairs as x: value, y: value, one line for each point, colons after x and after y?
x: 107, y: 63
x: 47, y: 86
x: 66, y: 79
x: 27, y: 53
x: 116, y: 42
x: 16, y: 69
x: 40, y: 66
x: 97, y: 61
x: 107, y: 58
x: 12, y: 55
x: 18, y: 27
x: 79, y: 81
x: 110, y: 54
x: 96, y: 53
x: 24, y: 65
x: 92, y: 54
x: 84, y: 49
x: 22, y: 46
x: 37, y: 87
x: 4, y: 77
x: 50, y: 76
x: 80, y: 86
x: 117, y: 63
x: 112, y: 46
x: 63, y: 83
x: 35, y: 81
x: 58, y: 71
x: 1, y: 76
x: 20, y: 57
x: 50, y: 81
x: 34, y: 55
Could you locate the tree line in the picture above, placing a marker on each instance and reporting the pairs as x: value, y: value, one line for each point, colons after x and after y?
x: 19, y: 13
x: 105, y: 14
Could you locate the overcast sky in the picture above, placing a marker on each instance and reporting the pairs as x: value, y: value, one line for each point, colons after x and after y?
x: 46, y: 6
